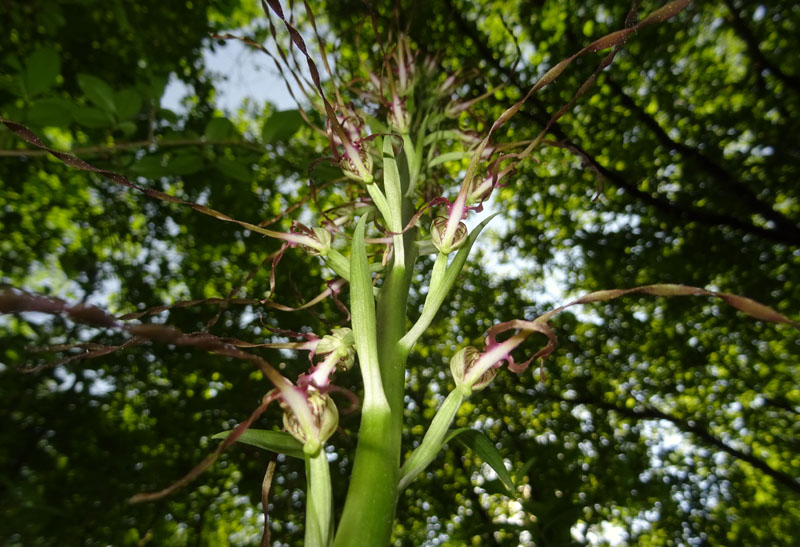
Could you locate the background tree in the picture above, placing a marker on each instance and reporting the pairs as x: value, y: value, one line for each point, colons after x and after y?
x: 673, y: 420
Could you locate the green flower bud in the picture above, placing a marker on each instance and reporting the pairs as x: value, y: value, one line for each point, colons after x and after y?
x: 356, y: 165
x: 461, y: 365
x: 325, y: 418
x: 342, y: 342
x: 324, y: 238
x: 438, y: 231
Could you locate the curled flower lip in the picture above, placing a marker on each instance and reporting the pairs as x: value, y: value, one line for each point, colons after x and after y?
x: 477, y: 368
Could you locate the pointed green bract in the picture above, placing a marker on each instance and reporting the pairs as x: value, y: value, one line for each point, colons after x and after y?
x: 279, y: 442
x: 480, y: 444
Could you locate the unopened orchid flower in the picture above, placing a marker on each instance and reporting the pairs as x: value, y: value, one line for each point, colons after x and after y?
x: 311, y: 417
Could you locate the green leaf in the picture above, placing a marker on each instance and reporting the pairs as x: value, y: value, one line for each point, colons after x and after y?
x: 50, y: 112
x: 128, y: 128
x: 41, y: 71
x: 362, y: 308
x: 281, y: 126
x: 97, y: 91
x: 279, y: 442
x: 168, y: 115
x: 90, y: 116
x: 495, y: 486
x: 485, y: 449
x: 522, y: 471
x: 448, y: 156
x: 234, y: 169
x: 185, y: 163
x: 157, y: 86
x: 220, y: 129
x: 150, y: 167
x: 128, y: 103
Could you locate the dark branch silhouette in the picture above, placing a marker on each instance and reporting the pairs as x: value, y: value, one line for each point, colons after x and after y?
x: 535, y: 111
x: 760, y: 59
x: 717, y: 171
x: 688, y: 426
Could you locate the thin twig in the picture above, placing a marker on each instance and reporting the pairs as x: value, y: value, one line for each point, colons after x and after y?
x: 103, y: 149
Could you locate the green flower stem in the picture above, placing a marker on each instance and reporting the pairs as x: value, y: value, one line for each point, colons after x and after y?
x: 413, y: 161
x: 369, y: 507
x: 433, y: 441
x: 443, y: 278
x: 394, y: 198
x: 433, y: 301
x: 393, y: 295
x: 368, y: 515
x: 380, y: 202
x: 319, y: 505
x: 368, y: 512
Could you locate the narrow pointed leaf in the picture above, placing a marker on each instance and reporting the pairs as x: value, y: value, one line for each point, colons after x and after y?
x: 362, y: 308
x: 279, y: 442
x: 485, y: 449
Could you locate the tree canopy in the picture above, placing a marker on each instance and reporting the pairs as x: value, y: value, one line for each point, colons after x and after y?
x: 656, y: 421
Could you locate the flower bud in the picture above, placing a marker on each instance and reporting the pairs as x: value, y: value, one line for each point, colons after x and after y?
x: 324, y: 238
x: 439, y: 230
x: 461, y: 365
x: 399, y: 118
x: 480, y: 190
x: 356, y: 164
x: 325, y: 420
x: 342, y: 343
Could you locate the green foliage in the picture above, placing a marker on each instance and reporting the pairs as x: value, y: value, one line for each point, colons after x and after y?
x: 280, y: 126
x: 273, y: 441
x: 675, y: 421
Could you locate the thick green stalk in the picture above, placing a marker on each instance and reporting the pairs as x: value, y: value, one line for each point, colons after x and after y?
x: 368, y: 514
x: 393, y: 295
x: 319, y: 507
x: 369, y: 507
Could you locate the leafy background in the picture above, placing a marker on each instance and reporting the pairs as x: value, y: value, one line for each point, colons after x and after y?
x: 659, y: 422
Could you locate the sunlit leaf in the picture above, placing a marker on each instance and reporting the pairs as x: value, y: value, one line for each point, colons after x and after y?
x: 280, y: 126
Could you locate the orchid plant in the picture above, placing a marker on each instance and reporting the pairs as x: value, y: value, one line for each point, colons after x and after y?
x: 387, y: 131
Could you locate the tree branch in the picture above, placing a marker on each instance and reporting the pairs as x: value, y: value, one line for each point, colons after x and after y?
x: 688, y: 426
x: 761, y: 61
x: 682, y: 212
x: 717, y: 171
x: 102, y: 149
